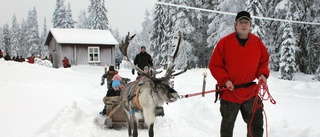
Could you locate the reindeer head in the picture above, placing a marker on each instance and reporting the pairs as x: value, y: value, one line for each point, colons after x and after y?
x: 158, y: 85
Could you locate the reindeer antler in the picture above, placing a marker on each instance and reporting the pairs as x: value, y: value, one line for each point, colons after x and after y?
x: 170, y: 69
x: 169, y: 73
x: 123, y: 46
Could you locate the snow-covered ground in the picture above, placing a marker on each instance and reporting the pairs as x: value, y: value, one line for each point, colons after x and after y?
x: 37, y: 101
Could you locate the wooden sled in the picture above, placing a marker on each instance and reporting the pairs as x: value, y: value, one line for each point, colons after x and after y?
x: 115, y: 114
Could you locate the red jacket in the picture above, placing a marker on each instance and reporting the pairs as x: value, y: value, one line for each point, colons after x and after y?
x: 65, y: 63
x: 1, y: 54
x: 239, y: 64
x: 31, y: 60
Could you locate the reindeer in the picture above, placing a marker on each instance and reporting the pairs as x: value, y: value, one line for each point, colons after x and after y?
x: 144, y: 98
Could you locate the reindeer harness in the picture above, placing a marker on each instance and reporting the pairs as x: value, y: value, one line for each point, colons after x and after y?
x: 135, y: 95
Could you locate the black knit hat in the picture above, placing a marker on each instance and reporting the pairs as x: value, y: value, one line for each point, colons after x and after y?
x: 242, y: 15
x: 143, y: 47
x: 111, y: 68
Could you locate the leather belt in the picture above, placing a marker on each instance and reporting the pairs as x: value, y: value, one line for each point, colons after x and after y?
x: 245, y: 85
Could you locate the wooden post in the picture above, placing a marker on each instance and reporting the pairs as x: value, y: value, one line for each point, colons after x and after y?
x: 204, y: 83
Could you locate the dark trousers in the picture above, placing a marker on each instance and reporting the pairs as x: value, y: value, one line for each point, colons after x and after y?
x: 229, y: 112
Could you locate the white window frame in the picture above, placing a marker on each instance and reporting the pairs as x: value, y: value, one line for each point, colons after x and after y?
x: 91, y: 53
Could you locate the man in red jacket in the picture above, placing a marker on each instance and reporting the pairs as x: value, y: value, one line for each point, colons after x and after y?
x: 237, y: 60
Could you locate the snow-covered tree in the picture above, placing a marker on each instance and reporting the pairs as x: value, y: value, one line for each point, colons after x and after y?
x: 23, y: 39
x: 69, y: 22
x: 287, y: 59
x: 256, y: 8
x: 6, y: 39
x: 159, y: 35
x: 59, y: 14
x: 14, y: 41
x: 1, y: 40
x: 44, y: 49
x: 273, y: 39
x: 32, y: 33
x: 182, y: 22
x: 306, y: 10
x: 97, y: 15
x: 221, y: 24
x: 82, y: 20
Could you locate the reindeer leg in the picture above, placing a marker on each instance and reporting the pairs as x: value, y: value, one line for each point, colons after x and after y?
x: 151, y: 134
x: 135, y: 126
x: 129, y: 128
x: 129, y: 124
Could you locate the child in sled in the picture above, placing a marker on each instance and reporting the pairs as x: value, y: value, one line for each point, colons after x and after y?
x: 113, y: 91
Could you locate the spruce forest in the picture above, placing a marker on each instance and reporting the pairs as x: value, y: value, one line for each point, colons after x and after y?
x: 293, y: 46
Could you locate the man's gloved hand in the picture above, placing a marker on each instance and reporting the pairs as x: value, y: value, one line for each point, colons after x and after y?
x: 132, y: 71
x: 102, y: 83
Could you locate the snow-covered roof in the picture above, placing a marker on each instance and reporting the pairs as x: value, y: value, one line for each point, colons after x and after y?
x: 81, y: 36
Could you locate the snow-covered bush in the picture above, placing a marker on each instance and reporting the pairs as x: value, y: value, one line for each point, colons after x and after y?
x: 41, y: 62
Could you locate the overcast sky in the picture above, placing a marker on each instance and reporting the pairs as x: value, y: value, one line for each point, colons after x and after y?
x: 126, y: 15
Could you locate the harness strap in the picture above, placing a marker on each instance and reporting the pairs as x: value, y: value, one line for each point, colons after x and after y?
x: 136, y: 98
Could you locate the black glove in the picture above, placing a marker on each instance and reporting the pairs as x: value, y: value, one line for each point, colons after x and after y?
x: 132, y: 71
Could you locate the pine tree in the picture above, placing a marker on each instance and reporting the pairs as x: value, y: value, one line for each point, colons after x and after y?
x: 306, y: 10
x: 14, y: 41
x: 1, y: 40
x: 287, y: 60
x: 82, y: 20
x: 97, y: 15
x: 59, y: 15
x: 256, y: 9
x: 272, y: 39
x: 44, y: 49
x: 32, y: 33
x: 23, y: 39
x: 69, y: 22
x: 160, y: 23
x: 222, y: 25
x: 6, y: 39
x: 200, y: 21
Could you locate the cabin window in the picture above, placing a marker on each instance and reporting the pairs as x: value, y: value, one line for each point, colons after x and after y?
x: 94, y: 54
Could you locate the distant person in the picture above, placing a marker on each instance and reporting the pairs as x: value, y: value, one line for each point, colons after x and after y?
x: 142, y: 59
x: 66, y: 63
x: 21, y: 59
x: 118, y: 62
x: 7, y: 57
x: 1, y: 54
x: 145, y: 70
x: 31, y: 59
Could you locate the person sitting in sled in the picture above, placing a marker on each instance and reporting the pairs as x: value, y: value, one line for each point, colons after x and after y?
x: 113, y: 91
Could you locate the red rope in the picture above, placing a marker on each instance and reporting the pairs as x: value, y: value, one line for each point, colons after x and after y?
x: 262, y: 92
x: 201, y: 93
